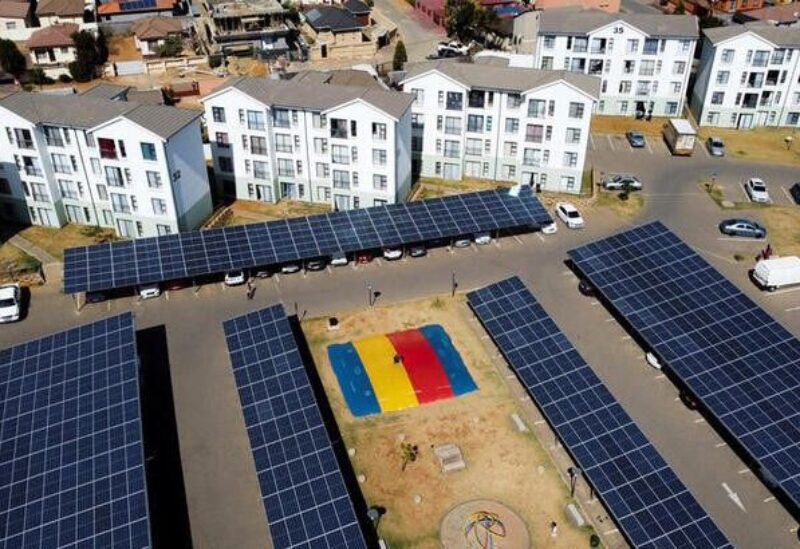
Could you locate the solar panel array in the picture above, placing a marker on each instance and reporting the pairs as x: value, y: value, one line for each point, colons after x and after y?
x: 736, y: 359
x: 147, y: 260
x: 649, y: 503
x: 133, y: 5
x: 302, y: 486
x: 71, y: 456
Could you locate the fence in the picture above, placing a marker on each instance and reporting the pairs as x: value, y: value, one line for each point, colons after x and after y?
x: 154, y: 66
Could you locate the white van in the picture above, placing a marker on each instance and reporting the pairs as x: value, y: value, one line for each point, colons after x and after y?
x: 772, y: 274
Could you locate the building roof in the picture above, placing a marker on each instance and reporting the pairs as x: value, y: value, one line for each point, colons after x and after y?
x: 577, y: 22
x: 10, y: 9
x: 356, y: 7
x: 786, y: 37
x: 777, y: 14
x: 499, y: 77
x: 332, y: 18
x: 156, y: 26
x: 340, y: 77
x: 298, y: 94
x: 149, y: 97
x: 81, y: 111
x: 53, y: 36
x: 63, y: 8
x: 116, y: 7
x: 107, y: 91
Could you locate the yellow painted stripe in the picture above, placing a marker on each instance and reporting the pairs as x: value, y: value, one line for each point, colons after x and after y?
x: 389, y: 380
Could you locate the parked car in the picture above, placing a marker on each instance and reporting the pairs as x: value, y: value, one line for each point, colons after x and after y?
x: 482, y: 239
x: 392, y: 254
x: 570, y: 215
x: 617, y: 181
x: 585, y: 288
x: 653, y: 361
x: 290, y: 268
x: 418, y: 250
x: 742, y: 227
x: 795, y: 192
x: 772, y: 274
x: 95, y: 297
x: 444, y: 54
x: 10, y: 299
x: 550, y: 228
x: 363, y: 258
x: 757, y: 190
x: 339, y: 259
x: 235, y: 278
x: 635, y: 138
x: 715, y: 146
x: 149, y: 291
x: 452, y: 47
x: 315, y: 264
x: 462, y: 242
x: 263, y: 272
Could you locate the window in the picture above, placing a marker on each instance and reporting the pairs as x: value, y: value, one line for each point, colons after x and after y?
x: 148, y: 151
x: 761, y: 58
x: 341, y: 179
x: 163, y: 230
x: 647, y: 68
x: 514, y: 100
x: 61, y: 163
x: 440, y: 98
x: 576, y: 110
x: 283, y: 143
x: 727, y: 56
x: 509, y: 149
x: 68, y: 189
x: 417, y: 120
x: 102, y: 192
x: 258, y: 145
x: 121, y: 144
x: 339, y: 128
x: 534, y: 133
x: 256, y: 120
x: 119, y: 203
x: 378, y: 131
x: 319, y: 121
x: 108, y: 148
x: 679, y: 67
x: 259, y: 169
x: 547, y: 63
x: 218, y: 114
x: 474, y: 146
x: 570, y: 159
x: 536, y: 108
x: 419, y: 96
x: 622, y: 107
x: 322, y: 170
x: 455, y: 101
x: 354, y: 154
x: 154, y: 178
x: 452, y: 149
x: 573, y: 136
x: 568, y: 182
x: 280, y: 118
x: 285, y: 167
x: 580, y: 44
x: 379, y: 157
x: 225, y: 164
x: 379, y: 182
x: 509, y: 171
x: 476, y: 99
x: 549, y: 42
x: 793, y: 118
x: 685, y: 45
x: 676, y: 87
x: 625, y: 86
x: 717, y: 98
x: 452, y: 125
x: 159, y: 206
x: 474, y: 123
x: 222, y: 140
x: 114, y: 177
x: 24, y: 139
x: 52, y: 136
x: 650, y: 46
x: 341, y: 154
x: 532, y: 157
x: 633, y: 45
x: 671, y: 108
x: 512, y: 125
x: 629, y: 67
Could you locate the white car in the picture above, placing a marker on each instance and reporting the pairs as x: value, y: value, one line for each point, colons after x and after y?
x: 392, y: 254
x: 652, y: 361
x: 10, y: 296
x: 757, y: 190
x: 339, y: 259
x: 461, y: 243
x: 290, y: 268
x: 482, y: 239
x: 550, y: 228
x: 570, y: 215
x: 149, y: 291
x: 235, y: 278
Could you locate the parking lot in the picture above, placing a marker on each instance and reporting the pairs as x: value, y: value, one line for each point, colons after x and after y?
x: 222, y: 492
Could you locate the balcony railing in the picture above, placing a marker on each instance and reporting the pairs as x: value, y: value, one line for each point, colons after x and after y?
x: 33, y: 170
x: 25, y: 143
x: 54, y: 141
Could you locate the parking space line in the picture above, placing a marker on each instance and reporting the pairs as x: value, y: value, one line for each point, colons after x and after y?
x: 740, y: 239
x: 591, y: 142
x: 700, y: 420
x: 771, y: 498
x: 790, y: 309
x: 787, y: 195
x: 720, y: 445
x: 744, y: 471
x: 610, y: 142
x: 647, y: 144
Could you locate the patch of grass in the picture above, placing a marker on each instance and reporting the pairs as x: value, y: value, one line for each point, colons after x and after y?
x: 55, y: 241
x: 466, y: 184
x: 618, y: 125
x: 718, y: 196
x: 739, y: 257
x: 626, y: 209
x: 15, y: 262
x: 252, y: 211
x: 760, y: 144
x: 586, y: 182
x: 783, y: 229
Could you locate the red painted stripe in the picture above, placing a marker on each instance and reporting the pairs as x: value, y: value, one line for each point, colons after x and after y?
x: 422, y: 366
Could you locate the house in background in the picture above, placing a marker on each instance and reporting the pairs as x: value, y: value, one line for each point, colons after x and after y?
x: 359, y: 10
x: 52, y: 49
x: 52, y: 12
x: 16, y: 20
x: 244, y: 27
x: 120, y: 11
x: 151, y: 32
x: 703, y: 8
x: 782, y: 15
x: 336, y: 33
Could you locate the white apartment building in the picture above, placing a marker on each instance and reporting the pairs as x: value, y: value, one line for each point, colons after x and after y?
x: 306, y: 139
x: 139, y: 169
x: 643, y: 60
x: 749, y: 76
x: 491, y: 121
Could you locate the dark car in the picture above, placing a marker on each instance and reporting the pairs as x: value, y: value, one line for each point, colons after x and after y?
x: 95, y: 297
x: 635, y: 138
x: 795, y: 192
x: 585, y: 288
x: 316, y: 264
x: 742, y: 227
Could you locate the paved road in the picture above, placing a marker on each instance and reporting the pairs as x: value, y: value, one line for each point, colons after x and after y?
x: 638, y: 6
x: 419, y: 36
x: 221, y: 486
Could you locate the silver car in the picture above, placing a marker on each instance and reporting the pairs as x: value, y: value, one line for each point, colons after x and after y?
x: 617, y: 182
x: 715, y: 146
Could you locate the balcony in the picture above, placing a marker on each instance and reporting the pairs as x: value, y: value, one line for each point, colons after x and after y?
x: 53, y: 141
x: 598, y: 50
x: 37, y: 197
x: 34, y: 170
x: 24, y: 143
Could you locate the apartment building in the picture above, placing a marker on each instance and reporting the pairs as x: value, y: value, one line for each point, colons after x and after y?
x: 138, y: 169
x: 749, y: 76
x: 643, y: 60
x: 491, y: 121
x: 307, y: 139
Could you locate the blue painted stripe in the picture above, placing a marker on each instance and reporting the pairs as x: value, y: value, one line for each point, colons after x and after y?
x: 454, y: 367
x: 353, y: 380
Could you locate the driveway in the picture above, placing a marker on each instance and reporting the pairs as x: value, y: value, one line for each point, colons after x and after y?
x: 419, y: 35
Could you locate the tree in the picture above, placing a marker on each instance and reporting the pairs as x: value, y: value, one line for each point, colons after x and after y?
x: 102, y: 47
x: 37, y: 76
x: 710, y: 21
x: 680, y: 8
x: 87, y: 58
x: 172, y: 47
x: 11, y: 60
x: 467, y: 19
x: 400, y: 56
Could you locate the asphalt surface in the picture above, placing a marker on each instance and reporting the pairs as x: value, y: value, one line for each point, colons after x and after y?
x: 638, y: 6
x: 420, y: 36
x: 222, y: 489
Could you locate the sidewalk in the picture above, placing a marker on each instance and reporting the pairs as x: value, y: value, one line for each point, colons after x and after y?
x: 32, y: 250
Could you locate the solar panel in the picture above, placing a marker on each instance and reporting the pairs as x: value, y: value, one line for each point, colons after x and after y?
x: 302, y: 486
x: 147, y: 260
x: 133, y: 5
x: 730, y: 353
x: 71, y: 455
x: 648, y: 502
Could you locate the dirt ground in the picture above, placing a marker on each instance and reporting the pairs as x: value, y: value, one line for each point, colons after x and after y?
x: 123, y: 48
x: 759, y: 144
x: 502, y: 463
x: 55, y: 241
x: 618, y: 125
x: 251, y: 211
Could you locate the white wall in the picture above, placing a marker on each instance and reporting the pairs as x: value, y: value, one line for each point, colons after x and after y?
x: 14, y: 29
x: 191, y: 190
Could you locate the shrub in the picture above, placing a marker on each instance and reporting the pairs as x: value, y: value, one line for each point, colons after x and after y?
x: 65, y: 79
